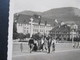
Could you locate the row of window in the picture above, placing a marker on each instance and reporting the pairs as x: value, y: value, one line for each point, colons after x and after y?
x: 36, y: 30
x: 25, y: 31
x: 41, y: 27
x: 36, y: 26
x: 22, y: 24
x: 61, y: 35
x: 60, y: 32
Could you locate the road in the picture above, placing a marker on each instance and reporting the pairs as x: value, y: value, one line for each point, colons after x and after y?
x: 58, y: 47
x: 65, y: 55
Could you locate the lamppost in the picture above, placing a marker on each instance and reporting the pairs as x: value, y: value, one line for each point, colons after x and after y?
x: 31, y: 26
x: 56, y: 21
x: 39, y: 17
x: 45, y: 26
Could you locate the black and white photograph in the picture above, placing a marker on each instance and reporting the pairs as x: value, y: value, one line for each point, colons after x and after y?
x: 44, y: 29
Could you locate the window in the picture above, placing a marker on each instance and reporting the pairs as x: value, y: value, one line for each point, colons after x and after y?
x: 41, y: 26
x: 35, y: 30
x: 27, y: 31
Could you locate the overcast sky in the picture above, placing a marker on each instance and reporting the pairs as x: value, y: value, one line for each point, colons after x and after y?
x: 43, y: 5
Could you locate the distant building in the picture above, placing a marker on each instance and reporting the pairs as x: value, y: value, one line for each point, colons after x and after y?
x: 23, y: 24
x: 74, y: 30
x: 65, y: 31
x: 61, y: 32
x: 25, y: 28
x: 79, y: 30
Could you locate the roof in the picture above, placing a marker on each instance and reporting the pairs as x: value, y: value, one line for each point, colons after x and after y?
x: 62, y: 28
x: 26, y: 19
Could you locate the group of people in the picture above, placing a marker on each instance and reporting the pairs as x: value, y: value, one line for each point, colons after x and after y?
x: 44, y: 44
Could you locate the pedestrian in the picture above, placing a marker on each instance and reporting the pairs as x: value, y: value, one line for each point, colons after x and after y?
x: 45, y: 44
x: 39, y: 44
x: 42, y: 43
x: 31, y: 44
x: 21, y: 47
x: 35, y: 47
x: 53, y: 44
x: 74, y: 43
x: 49, y: 40
x: 36, y: 42
x: 77, y: 41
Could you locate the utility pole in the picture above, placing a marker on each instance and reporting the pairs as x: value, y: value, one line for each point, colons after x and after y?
x: 31, y: 26
x: 45, y: 26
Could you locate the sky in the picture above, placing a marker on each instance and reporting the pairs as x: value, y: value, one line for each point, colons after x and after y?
x: 42, y: 5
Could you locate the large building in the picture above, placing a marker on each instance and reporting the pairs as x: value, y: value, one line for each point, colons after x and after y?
x: 65, y: 31
x: 23, y: 25
x: 61, y: 32
x: 26, y: 28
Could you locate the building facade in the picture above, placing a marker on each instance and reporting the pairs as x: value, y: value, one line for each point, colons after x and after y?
x: 65, y: 31
x: 61, y: 32
x: 26, y: 28
x: 74, y: 31
x: 31, y: 24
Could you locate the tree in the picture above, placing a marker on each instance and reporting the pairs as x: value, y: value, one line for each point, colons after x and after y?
x: 15, y: 34
x: 27, y: 35
x: 37, y: 36
x: 21, y: 36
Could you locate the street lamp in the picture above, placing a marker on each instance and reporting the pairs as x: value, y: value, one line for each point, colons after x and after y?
x: 39, y: 17
x: 31, y: 26
x: 45, y: 26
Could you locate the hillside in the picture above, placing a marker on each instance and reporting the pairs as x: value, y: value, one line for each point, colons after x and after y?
x: 61, y: 14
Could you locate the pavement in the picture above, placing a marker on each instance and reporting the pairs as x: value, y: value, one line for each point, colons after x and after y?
x: 16, y: 54
x: 64, y: 55
x: 60, y: 47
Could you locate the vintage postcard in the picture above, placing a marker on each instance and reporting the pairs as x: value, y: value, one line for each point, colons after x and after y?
x: 44, y: 30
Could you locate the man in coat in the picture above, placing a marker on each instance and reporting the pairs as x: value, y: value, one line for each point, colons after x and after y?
x: 31, y: 44
x: 49, y: 41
